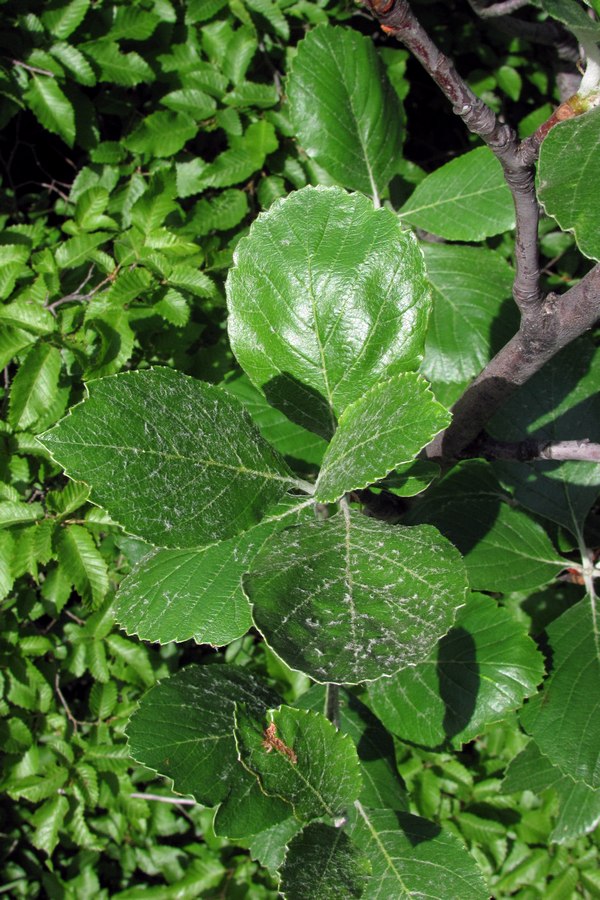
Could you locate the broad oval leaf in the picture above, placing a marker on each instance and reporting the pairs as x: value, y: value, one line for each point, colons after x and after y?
x: 300, y: 757
x: 485, y: 666
x: 384, y: 429
x: 469, y: 287
x: 184, y: 728
x: 322, y: 863
x: 345, y: 112
x: 176, y: 461
x: 504, y: 548
x: 465, y: 200
x: 327, y: 297
x: 564, y: 719
x: 412, y: 857
x: 569, y: 164
x: 383, y: 596
x: 178, y: 595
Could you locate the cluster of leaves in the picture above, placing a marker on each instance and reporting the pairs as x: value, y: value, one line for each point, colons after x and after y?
x: 186, y: 130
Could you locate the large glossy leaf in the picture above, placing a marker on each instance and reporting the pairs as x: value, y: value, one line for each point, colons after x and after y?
x: 485, y: 666
x: 178, y: 595
x: 382, y: 596
x: 184, y: 728
x: 345, y: 112
x: 322, y: 863
x: 385, y: 428
x: 465, y: 200
x: 469, y: 287
x: 569, y: 164
x: 412, y: 857
x: 174, y: 460
x: 382, y: 786
x: 504, y: 549
x: 300, y: 757
x: 326, y: 298
x: 562, y: 402
x: 564, y: 719
x: 579, y: 804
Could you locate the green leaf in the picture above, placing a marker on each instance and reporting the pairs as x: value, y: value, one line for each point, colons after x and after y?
x: 579, y: 805
x: 223, y: 212
x: 574, y: 17
x: 184, y: 728
x: 201, y: 471
x: 564, y: 719
x: 300, y: 757
x: 7, y: 549
x: 162, y: 134
x: 412, y: 857
x: 385, y: 428
x: 62, y: 18
x: 48, y: 821
x: 569, y: 163
x: 177, y: 595
x: 289, y: 439
x: 83, y: 563
x: 73, y: 60
x: 192, y: 101
x: 465, y: 200
x: 485, y: 666
x: 126, y: 69
x: 469, y: 287
x: 504, y: 549
x: 273, y: 15
x: 322, y: 863
x: 314, y: 342
x: 13, y: 259
x: 34, y: 387
x: 345, y: 112
x: 562, y: 402
x: 16, y: 513
x: 382, y: 595
x: 270, y: 846
x: 50, y: 106
x: 78, y: 249
x: 382, y: 786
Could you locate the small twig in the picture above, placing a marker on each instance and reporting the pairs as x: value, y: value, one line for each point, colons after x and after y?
x: 64, y: 703
x: 74, y: 617
x: 176, y: 801
x: 517, y: 159
x: 35, y: 69
x: 532, y: 450
x: 502, y: 8
x: 77, y: 296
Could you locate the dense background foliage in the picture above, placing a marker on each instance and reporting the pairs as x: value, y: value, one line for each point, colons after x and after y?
x: 139, y: 141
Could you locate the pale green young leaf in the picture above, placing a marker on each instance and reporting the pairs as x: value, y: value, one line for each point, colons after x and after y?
x: 412, y: 857
x: 17, y: 513
x: 201, y: 469
x: 564, y: 719
x: 300, y: 757
x: 13, y: 259
x: 25, y: 314
x: 62, y: 19
x: 485, y: 666
x: 192, y: 101
x: 126, y: 69
x: 241, y: 47
x: 50, y: 106
x: 385, y: 428
x: 184, y: 728
x: 162, y: 134
x: 569, y: 164
x: 74, y: 60
x: 343, y: 303
x: 131, y: 23
x: 7, y: 548
x: 504, y: 548
x: 178, y: 595
x: 48, y: 820
x: 34, y: 386
x: 79, y: 249
x: 173, y: 307
x: 562, y: 402
x: 579, y: 804
x: 345, y: 112
x: 470, y: 285
x: 383, y: 596
x: 322, y: 863
x: 465, y: 200
x: 83, y: 563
